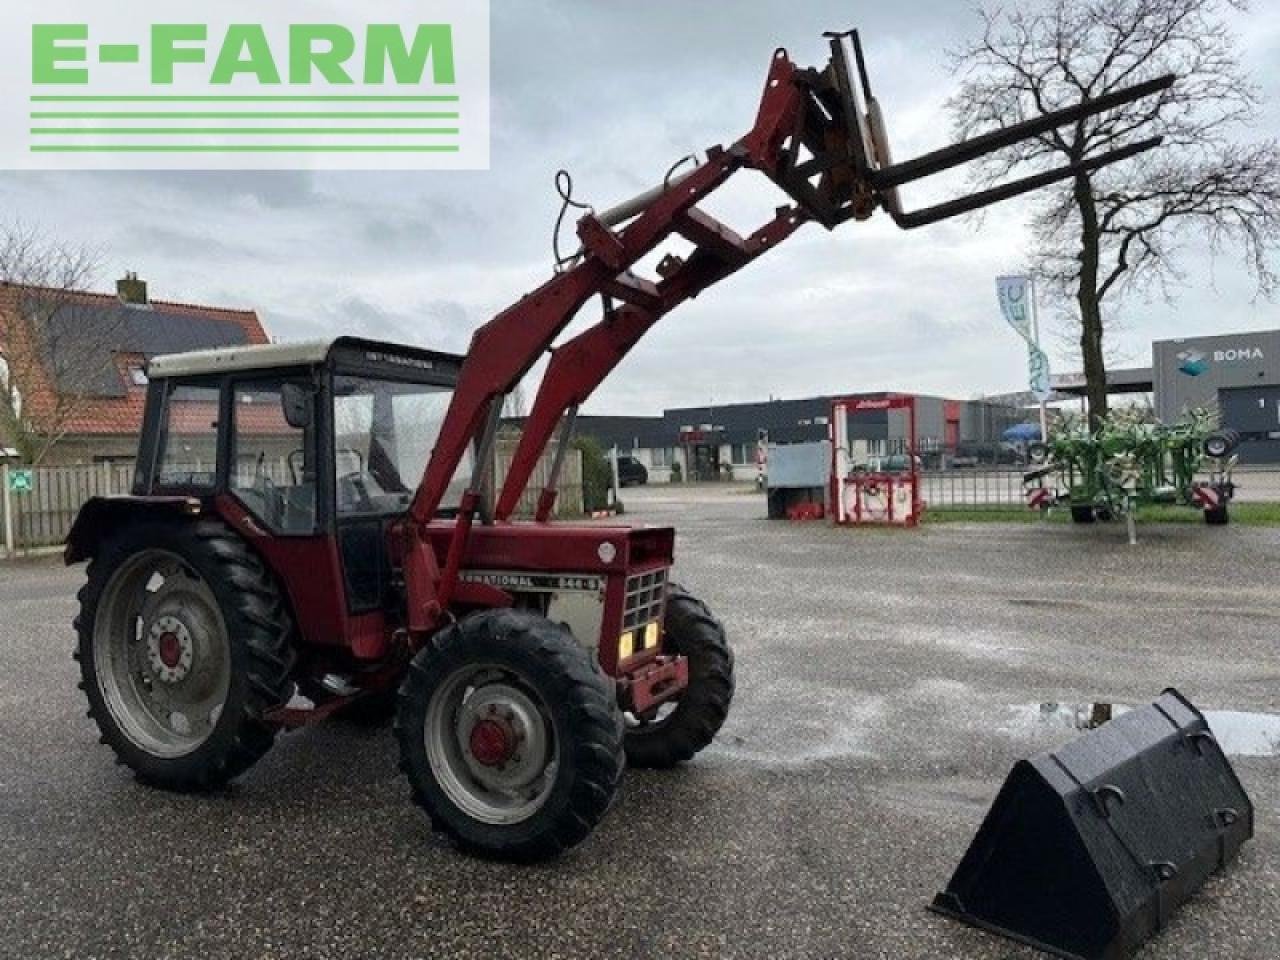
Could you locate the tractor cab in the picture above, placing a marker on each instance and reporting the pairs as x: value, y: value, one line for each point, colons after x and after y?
x: 310, y: 451
x: 303, y: 436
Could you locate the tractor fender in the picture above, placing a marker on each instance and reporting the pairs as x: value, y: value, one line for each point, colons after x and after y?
x: 101, y: 516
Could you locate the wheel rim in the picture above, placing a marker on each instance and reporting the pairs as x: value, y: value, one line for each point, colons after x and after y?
x: 491, y: 744
x: 161, y: 654
x: 652, y: 721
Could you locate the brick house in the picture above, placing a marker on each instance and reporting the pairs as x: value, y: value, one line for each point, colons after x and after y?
x: 110, y: 338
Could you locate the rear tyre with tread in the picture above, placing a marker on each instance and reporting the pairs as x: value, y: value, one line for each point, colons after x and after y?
x: 692, y: 630
x: 510, y: 736
x: 180, y: 621
x: 1218, y: 516
x: 1083, y: 515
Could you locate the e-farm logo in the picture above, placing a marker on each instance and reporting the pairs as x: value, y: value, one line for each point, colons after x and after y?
x: 236, y: 84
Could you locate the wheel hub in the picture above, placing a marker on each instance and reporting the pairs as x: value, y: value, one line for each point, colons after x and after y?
x: 502, y: 738
x: 492, y: 743
x: 170, y: 649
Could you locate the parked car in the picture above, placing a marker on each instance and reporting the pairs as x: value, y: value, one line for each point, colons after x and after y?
x: 893, y: 463
x: 631, y: 472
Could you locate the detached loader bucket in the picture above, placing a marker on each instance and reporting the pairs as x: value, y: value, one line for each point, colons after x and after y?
x: 1087, y: 851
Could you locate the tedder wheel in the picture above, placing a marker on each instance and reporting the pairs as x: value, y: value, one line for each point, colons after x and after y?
x: 1083, y: 514
x: 184, y: 645
x: 682, y: 728
x: 510, y: 735
x: 1218, y: 516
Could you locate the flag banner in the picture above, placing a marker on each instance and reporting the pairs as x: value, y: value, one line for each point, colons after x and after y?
x: 1015, y: 304
x: 1015, y: 295
x: 1038, y: 366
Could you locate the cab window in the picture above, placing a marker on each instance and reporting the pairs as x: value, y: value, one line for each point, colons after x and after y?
x: 189, y: 438
x: 384, y: 432
x: 273, y: 453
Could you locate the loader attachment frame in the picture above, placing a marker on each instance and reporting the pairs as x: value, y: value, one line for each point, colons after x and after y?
x: 819, y: 136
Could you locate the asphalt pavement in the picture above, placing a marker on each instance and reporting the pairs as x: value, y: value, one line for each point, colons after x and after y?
x: 887, y: 681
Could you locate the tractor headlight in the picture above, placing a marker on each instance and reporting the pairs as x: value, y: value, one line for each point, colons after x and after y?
x: 638, y: 640
x: 651, y: 635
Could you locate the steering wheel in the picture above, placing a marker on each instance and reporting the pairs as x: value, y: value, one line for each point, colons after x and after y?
x: 296, y: 468
x: 272, y: 500
x: 357, y: 482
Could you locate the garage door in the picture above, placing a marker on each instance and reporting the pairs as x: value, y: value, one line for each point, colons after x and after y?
x: 1255, y: 412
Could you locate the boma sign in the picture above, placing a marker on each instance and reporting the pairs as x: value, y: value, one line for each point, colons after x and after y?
x: 1238, y: 355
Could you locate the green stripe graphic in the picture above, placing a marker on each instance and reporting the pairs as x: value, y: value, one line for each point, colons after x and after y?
x: 244, y: 148
x: 238, y: 131
x: 62, y: 98
x: 272, y: 115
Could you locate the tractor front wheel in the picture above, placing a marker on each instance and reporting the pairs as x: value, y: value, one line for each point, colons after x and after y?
x: 510, y: 735
x: 184, y: 646
x: 681, y: 729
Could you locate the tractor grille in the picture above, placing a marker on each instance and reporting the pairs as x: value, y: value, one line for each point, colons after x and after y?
x: 646, y: 594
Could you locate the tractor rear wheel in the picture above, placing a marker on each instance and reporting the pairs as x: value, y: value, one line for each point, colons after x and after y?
x: 184, y: 646
x: 681, y: 729
x: 510, y: 735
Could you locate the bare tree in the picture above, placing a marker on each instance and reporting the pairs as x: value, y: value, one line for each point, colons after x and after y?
x: 49, y: 358
x: 1111, y: 232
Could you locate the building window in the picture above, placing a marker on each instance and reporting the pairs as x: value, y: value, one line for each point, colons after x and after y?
x: 744, y: 454
x: 664, y: 456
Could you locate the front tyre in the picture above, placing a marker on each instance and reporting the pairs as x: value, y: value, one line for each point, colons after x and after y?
x: 680, y: 730
x: 184, y: 647
x: 510, y: 736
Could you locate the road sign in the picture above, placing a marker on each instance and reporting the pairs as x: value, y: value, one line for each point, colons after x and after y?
x: 22, y: 481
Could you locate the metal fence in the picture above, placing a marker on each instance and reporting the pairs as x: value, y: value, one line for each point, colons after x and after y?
x: 972, y: 489
x: 40, y: 517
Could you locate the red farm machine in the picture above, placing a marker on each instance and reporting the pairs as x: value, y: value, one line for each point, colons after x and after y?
x: 884, y: 492
x: 279, y: 561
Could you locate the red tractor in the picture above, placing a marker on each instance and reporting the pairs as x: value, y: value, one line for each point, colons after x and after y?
x: 278, y: 561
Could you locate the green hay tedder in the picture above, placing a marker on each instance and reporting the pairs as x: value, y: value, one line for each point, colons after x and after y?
x: 1131, y: 461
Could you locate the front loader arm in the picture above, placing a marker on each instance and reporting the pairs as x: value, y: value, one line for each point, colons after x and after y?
x: 819, y: 136
x: 580, y: 365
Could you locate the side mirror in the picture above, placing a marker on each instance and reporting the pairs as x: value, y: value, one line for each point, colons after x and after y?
x: 295, y: 401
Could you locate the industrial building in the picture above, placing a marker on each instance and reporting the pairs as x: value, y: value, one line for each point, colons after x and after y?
x: 1238, y: 374
x: 716, y: 442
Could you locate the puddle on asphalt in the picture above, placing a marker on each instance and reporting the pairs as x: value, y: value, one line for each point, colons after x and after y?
x: 1239, y: 734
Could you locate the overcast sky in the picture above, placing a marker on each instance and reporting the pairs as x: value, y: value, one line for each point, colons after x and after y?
x: 615, y: 93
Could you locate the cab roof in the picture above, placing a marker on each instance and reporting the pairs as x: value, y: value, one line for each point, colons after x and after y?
x: 271, y: 356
